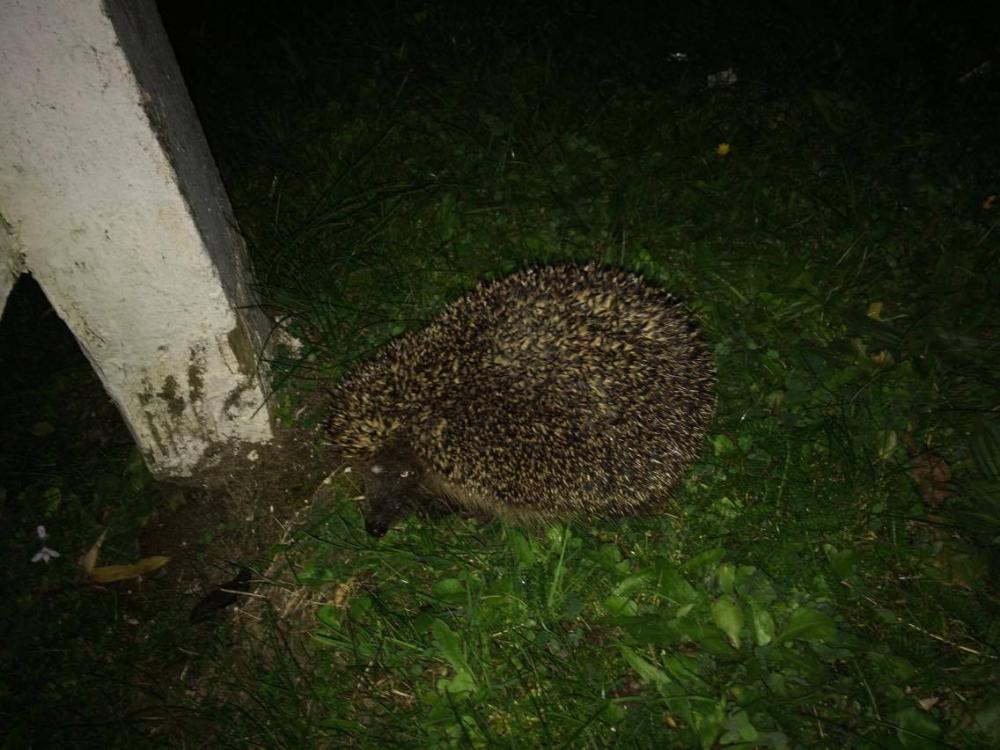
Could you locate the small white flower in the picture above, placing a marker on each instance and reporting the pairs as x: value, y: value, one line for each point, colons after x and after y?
x: 45, y: 554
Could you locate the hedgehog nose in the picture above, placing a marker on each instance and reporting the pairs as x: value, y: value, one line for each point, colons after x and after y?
x: 376, y: 528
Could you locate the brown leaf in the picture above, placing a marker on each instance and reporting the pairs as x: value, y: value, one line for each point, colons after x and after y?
x: 960, y: 569
x: 109, y: 573
x: 88, y: 559
x: 930, y: 472
x: 342, y: 596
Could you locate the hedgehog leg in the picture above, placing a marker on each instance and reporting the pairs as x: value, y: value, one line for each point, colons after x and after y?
x: 436, y: 508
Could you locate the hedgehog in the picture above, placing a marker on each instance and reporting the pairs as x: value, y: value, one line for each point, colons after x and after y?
x: 555, y: 392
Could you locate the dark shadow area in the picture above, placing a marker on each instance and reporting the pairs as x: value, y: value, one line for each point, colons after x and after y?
x: 56, y: 421
x: 82, y: 658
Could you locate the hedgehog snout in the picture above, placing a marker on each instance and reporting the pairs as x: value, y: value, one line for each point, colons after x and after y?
x: 391, y: 488
x: 376, y: 528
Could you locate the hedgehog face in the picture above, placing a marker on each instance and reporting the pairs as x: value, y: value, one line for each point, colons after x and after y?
x: 392, y: 488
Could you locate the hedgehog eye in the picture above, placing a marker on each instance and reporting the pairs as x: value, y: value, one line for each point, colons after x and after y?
x: 377, y: 469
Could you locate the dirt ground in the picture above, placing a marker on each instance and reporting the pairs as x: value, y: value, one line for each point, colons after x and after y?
x: 234, y: 512
x: 58, y: 428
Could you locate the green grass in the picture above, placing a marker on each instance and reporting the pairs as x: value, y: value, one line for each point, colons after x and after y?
x: 800, y: 591
x: 804, y: 588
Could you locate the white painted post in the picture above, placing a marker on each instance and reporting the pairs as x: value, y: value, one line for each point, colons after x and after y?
x: 110, y: 198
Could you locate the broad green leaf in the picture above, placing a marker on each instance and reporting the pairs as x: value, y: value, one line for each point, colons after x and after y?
x: 620, y: 606
x: 614, y: 712
x: 763, y: 624
x: 809, y: 625
x: 671, y: 584
x: 685, y: 671
x: 728, y: 616
x: 723, y: 445
x: 739, y: 729
x: 462, y: 682
x: 523, y: 548
x: 632, y: 583
x: 654, y: 629
x: 885, y: 444
x: 709, y: 720
x: 754, y: 586
x: 451, y: 649
x: 727, y: 577
x: 329, y: 615
x: 449, y: 588
x: 842, y: 562
x: 705, y: 558
x: 917, y: 730
x: 647, y: 672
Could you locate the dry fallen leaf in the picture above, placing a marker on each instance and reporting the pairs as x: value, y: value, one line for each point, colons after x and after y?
x: 109, y: 573
x: 930, y: 472
x: 88, y: 560
x: 342, y: 595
